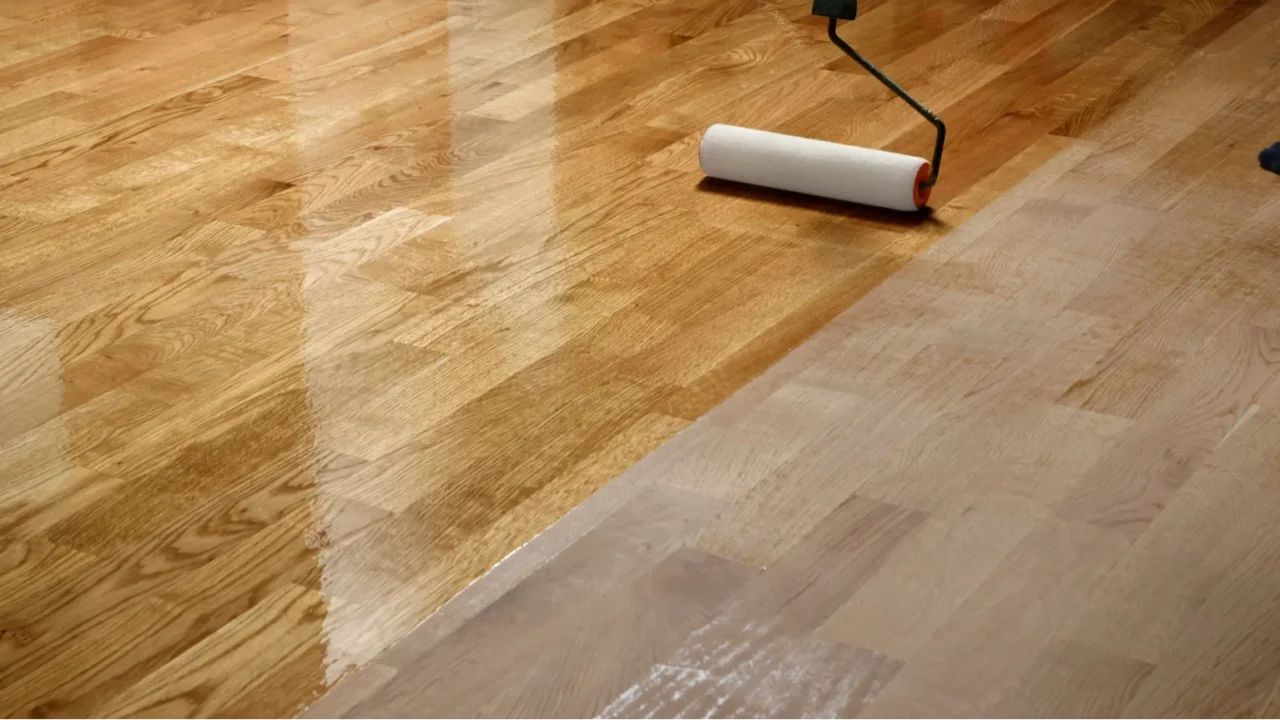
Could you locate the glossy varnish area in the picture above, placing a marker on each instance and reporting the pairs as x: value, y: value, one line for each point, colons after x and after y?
x: 1032, y: 474
x: 312, y: 311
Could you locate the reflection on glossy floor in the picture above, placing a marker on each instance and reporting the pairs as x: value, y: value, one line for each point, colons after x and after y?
x: 311, y: 311
x: 1036, y: 473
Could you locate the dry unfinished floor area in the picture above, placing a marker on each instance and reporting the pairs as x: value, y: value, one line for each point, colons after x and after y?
x: 314, y: 311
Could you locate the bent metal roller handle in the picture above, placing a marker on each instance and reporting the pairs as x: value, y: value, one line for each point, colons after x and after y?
x: 837, y: 10
x: 814, y: 167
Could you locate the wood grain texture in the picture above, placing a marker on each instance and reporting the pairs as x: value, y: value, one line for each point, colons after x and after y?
x: 1031, y: 473
x: 314, y: 311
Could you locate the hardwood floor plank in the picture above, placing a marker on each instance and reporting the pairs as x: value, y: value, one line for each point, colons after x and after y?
x: 807, y: 584
x: 314, y: 313
x: 45, y: 500
x: 658, y: 609
x: 727, y: 666
x: 642, y: 533
x: 834, y: 681
x: 753, y: 447
x: 1223, y: 652
x: 905, y: 603
x: 646, y: 621
x: 1153, y: 593
x: 1129, y: 486
x: 1070, y: 680
x: 974, y: 659
x: 240, y: 654
x: 110, y: 639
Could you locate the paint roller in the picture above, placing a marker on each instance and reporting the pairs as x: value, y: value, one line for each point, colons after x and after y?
x: 826, y: 169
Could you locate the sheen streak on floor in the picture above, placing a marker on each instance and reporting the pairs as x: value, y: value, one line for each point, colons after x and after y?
x: 1032, y: 474
x: 312, y: 311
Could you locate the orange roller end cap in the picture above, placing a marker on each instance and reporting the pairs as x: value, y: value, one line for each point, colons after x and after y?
x: 922, y: 191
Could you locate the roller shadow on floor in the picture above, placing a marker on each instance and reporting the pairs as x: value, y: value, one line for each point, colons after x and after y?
x: 863, y: 214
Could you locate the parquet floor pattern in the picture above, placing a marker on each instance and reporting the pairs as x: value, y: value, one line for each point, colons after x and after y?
x: 1032, y: 474
x: 312, y: 311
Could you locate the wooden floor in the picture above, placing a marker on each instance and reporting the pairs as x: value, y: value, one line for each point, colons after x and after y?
x: 312, y: 311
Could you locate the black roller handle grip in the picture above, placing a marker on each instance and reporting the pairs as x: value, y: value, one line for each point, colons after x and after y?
x: 838, y: 9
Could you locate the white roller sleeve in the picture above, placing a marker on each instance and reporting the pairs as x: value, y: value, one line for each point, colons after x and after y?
x: 814, y: 167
